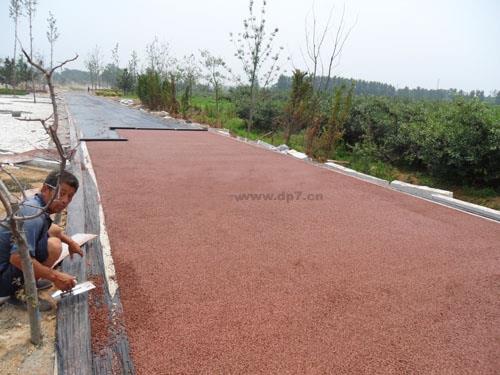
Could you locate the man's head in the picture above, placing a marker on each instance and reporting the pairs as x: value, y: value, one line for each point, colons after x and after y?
x: 67, y: 189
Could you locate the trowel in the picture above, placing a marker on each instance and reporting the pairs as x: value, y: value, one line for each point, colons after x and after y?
x: 77, y: 289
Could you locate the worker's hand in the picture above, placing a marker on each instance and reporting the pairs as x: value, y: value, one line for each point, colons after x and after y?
x: 63, y: 281
x: 74, y: 248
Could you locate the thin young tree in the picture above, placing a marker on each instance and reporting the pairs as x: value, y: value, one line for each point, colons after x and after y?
x: 254, y: 48
x: 15, y: 11
x: 188, y: 73
x: 52, y: 36
x: 297, y: 112
x: 159, y: 59
x: 324, y: 46
x: 125, y: 81
x: 30, y: 8
x: 215, y: 74
x: 14, y: 222
x: 133, y: 65
x: 115, y: 60
x: 94, y: 64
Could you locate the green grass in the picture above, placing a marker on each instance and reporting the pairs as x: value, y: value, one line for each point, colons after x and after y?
x: 6, y: 91
x: 131, y: 95
x: 374, y: 168
x: 107, y: 92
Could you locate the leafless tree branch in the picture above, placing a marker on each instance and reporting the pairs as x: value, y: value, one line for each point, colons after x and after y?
x: 316, y: 44
x: 63, y: 63
x: 15, y: 180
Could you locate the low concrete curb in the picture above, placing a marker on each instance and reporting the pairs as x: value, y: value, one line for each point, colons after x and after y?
x: 421, y: 191
x: 266, y: 145
x: 297, y: 154
x: 362, y: 176
x: 466, y: 206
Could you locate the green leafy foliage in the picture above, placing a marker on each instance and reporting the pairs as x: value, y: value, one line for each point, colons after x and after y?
x: 326, y: 122
x: 125, y: 81
x: 297, y: 113
x: 157, y: 94
x: 267, y: 109
x: 149, y: 90
x: 23, y: 73
x: 107, y: 92
x: 457, y: 141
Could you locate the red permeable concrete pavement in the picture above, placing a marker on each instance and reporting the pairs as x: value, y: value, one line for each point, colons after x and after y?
x: 362, y: 281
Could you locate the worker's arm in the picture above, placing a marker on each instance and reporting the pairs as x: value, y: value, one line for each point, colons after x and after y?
x: 73, y: 246
x: 61, y: 280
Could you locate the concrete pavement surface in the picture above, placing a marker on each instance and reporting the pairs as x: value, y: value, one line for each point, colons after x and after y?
x: 96, y: 116
x: 344, y: 278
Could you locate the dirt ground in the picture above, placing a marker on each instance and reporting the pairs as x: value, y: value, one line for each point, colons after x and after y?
x: 17, y: 354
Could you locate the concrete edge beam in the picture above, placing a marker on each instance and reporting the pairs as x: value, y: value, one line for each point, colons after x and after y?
x: 361, y: 176
x: 297, y: 154
x: 466, y: 206
x: 266, y: 145
x: 421, y: 191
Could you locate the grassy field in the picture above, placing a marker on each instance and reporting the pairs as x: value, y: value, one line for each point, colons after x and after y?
x: 4, y: 91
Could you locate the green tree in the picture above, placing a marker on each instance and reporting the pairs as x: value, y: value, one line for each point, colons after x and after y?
x: 334, y: 128
x: 133, y: 64
x: 188, y: 73
x: 215, y: 75
x: 297, y: 111
x: 149, y: 89
x: 6, y: 71
x: 94, y: 66
x: 125, y: 81
x: 169, y: 94
x: 254, y: 48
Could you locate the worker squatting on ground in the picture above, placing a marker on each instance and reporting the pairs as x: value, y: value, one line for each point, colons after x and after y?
x: 44, y: 240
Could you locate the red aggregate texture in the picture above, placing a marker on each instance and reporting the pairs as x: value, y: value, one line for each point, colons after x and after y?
x: 364, y: 281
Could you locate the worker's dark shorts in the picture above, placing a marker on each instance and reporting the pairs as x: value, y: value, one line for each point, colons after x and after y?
x: 11, y: 278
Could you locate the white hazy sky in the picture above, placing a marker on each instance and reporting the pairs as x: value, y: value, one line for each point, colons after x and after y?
x: 400, y: 42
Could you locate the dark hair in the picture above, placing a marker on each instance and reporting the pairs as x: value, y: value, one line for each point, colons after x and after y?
x: 66, y: 178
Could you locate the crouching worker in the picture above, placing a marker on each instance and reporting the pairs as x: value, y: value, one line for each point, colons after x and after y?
x: 44, y: 240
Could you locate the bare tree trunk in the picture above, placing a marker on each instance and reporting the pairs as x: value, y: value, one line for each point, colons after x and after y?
x: 14, y: 61
x: 31, y: 56
x: 251, y: 111
x: 54, y: 105
x: 30, y: 291
x: 217, y: 98
x: 29, y: 284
